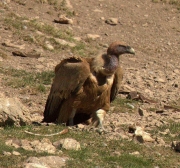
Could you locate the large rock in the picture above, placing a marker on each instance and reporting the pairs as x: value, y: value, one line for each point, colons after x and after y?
x: 142, y: 136
x: 45, y: 162
x: 13, y: 112
x: 68, y: 144
x: 38, y: 146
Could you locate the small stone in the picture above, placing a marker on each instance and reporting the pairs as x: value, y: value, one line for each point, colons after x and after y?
x: 1, y: 59
x: 176, y: 85
x: 48, y: 45
x: 176, y: 71
x: 142, y: 136
x: 63, y: 20
x: 97, y: 10
x: 116, y: 153
x: 145, y: 25
x: 64, y: 42
x: 8, y: 43
x: 6, y: 153
x: 124, y: 136
x: 31, y: 54
x: 16, y: 153
x: 25, y: 27
x: 41, y: 59
x: 77, y: 38
x: 167, y: 131
x: 93, y: 36
x: 13, y: 142
x: 80, y: 126
x: 112, y: 21
x: 141, y: 112
x: 160, y: 141
x: 130, y: 105
x: 104, y: 144
x: 149, y: 91
x: 135, y: 153
x: 102, y: 18
x: 39, y: 33
x: 159, y: 80
x: 39, y: 50
x: 39, y: 66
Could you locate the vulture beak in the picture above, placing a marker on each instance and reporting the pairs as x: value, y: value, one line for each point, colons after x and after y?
x: 130, y: 50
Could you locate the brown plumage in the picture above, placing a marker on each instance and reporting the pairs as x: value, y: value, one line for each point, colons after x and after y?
x: 84, y: 87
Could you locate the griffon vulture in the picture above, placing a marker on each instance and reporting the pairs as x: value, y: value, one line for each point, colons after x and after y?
x: 85, y: 87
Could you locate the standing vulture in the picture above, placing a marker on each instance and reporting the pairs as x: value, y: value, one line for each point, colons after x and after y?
x: 85, y: 87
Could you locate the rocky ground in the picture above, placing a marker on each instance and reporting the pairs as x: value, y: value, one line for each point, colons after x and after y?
x: 153, y: 74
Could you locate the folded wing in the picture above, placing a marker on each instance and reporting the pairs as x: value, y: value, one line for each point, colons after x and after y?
x: 70, y: 76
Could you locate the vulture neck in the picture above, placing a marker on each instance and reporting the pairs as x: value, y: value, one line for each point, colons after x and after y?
x: 105, y: 64
x: 111, y: 63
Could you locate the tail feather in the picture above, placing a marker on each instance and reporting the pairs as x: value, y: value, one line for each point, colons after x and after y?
x: 52, y: 109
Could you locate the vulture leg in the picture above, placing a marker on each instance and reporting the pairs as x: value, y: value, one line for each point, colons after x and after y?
x: 100, y: 115
x: 71, y: 118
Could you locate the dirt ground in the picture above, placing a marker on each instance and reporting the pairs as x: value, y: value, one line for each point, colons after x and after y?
x: 152, y: 29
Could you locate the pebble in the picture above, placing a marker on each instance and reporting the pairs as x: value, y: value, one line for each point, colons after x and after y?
x: 16, y: 153
x: 48, y: 45
x: 135, y: 153
x: 112, y: 21
x: 93, y: 36
x: 6, y: 153
x: 130, y: 105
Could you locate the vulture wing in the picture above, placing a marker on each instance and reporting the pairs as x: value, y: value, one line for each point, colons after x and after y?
x: 70, y: 76
x: 118, y: 77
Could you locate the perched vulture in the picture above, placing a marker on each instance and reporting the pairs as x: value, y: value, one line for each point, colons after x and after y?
x: 84, y: 87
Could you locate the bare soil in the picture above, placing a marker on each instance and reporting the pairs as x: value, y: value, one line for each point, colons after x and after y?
x: 152, y: 29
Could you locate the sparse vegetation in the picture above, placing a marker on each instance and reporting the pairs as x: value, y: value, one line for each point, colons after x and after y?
x: 17, y: 23
x: 21, y: 79
x: 152, y: 41
x: 96, y: 150
x: 42, y: 32
x: 171, y: 131
x: 125, y: 105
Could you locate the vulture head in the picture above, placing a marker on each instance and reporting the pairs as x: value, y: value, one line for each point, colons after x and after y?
x: 109, y: 62
x: 118, y: 48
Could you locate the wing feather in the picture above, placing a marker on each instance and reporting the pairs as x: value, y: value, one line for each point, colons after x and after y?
x: 70, y: 76
x: 118, y: 77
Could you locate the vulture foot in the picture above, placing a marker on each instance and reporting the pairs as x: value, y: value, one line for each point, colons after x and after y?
x: 100, y: 115
x: 71, y: 118
x: 102, y: 131
x: 91, y: 128
x: 96, y: 122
